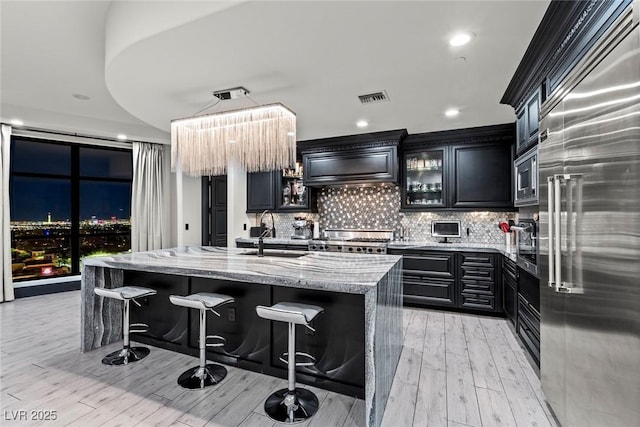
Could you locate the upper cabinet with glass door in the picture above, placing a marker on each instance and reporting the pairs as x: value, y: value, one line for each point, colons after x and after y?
x: 459, y: 169
x: 292, y: 193
x: 424, y: 179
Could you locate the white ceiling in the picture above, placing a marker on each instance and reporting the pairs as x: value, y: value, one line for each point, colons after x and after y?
x: 147, y: 62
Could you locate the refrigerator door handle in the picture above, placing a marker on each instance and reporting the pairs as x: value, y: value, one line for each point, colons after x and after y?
x: 551, y: 212
x: 558, y: 249
x: 572, y: 245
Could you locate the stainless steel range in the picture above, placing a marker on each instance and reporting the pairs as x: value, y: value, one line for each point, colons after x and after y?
x: 353, y: 241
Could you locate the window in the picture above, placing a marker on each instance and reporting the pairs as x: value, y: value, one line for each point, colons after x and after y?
x: 68, y: 201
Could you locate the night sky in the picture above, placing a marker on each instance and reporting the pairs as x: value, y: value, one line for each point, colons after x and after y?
x: 33, y: 198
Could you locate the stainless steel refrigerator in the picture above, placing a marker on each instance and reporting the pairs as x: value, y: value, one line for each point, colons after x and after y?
x: 590, y: 236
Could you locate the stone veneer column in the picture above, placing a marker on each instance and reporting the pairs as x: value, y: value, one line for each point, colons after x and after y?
x: 101, y: 318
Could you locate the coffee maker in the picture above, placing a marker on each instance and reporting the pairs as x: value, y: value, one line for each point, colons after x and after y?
x: 301, y: 229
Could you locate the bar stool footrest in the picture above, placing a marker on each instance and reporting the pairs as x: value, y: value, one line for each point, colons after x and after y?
x: 222, y: 341
x: 143, y: 328
x: 305, y: 359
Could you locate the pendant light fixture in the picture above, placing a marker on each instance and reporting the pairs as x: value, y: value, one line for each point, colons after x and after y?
x: 261, y: 138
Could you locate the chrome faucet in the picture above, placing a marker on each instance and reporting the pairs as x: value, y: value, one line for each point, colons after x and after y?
x: 267, y: 231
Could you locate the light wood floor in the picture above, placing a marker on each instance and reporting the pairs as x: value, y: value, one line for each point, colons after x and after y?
x: 455, y: 370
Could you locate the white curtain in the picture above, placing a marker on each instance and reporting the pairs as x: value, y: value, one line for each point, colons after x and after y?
x: 149, y: 218
x: 6, y: 290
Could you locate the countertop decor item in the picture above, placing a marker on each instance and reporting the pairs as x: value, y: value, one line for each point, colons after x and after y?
x: 262, y: 138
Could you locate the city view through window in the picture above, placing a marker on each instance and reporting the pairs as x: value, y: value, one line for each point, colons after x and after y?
x: 67, y: 202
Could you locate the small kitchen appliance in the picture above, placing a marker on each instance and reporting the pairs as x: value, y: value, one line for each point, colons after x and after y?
x: 301, y: 229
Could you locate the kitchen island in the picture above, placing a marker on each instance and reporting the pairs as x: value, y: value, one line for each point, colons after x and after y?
x: 358, y: 338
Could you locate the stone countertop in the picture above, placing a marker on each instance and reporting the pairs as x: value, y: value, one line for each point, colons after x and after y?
x: 337, y: 272
x: 508, y: 251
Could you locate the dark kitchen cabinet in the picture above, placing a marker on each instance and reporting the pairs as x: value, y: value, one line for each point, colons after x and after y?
x: 426, y: 184
x: 261, y: 191
x: 528, y: 328
x: 510, y: 289
x: 279, y: 191
x: 429, y: 278
x: 464, y: 280
x: 482, y: 176
x: 367, y: 158
x: 362, y: 165
x: 462, y: 169
x: 527, y: 122
x: 477, y: 275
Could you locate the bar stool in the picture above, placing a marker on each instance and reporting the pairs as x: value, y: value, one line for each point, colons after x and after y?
x: 291, y: 404
x: 204, y: 374
x: 127, y: 294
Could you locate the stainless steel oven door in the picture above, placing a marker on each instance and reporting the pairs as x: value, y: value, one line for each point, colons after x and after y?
x: 527, y: 246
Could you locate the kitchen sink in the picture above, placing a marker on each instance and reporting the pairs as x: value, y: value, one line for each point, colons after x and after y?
x: 277, y: 254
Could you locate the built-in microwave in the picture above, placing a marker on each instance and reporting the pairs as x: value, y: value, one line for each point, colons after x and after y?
x: 526, y: 178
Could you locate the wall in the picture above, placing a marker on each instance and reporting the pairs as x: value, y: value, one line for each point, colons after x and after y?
x: 237, y: 204
x: 379, y: 207
x: 188, y: 210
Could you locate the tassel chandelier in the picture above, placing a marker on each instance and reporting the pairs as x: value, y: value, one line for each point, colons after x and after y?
x: 261, y: 138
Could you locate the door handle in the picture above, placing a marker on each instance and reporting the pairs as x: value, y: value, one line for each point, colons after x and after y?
x: 556, y: 231
x: 551, y: 212
x: 566, y: 287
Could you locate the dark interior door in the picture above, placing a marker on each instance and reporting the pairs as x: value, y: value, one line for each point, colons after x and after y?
x: 214, y: 210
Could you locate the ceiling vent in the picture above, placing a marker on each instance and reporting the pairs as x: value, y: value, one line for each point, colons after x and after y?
x: 374, y: 98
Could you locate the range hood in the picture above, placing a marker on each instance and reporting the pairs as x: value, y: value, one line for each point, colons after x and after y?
x: 355, y: 159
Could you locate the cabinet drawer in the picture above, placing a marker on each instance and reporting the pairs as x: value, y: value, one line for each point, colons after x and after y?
x: 440, y: 265
x: 477, y: 273
x: 477, y: 301
x: 433, y: 291
x: 479, y: 286
x: 477, y: 260
x: 528, y: 327
x: 509, y: 269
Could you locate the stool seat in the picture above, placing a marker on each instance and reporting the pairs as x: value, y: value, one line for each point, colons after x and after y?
x: 125, y: 292
x: 290, y: 312
x: 201, y: 300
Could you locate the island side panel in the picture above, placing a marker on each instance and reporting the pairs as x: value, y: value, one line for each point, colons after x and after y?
x: 101, y: 318
x: 387, y: 347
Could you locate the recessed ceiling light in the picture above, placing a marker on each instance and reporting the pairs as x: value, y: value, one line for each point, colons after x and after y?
x: 17, y: 122
x: 362, y: 123
x: 452, y: 112
x: 81, y: 97
x: 231, y: 141
x: 122, y: 137
x: 291, y: 134
x: 461, y: 39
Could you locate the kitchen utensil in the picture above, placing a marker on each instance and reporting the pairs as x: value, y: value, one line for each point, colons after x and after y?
x: 504, y: 226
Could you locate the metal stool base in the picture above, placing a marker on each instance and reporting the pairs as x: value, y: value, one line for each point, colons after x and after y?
x: 125, y: 356
x: 213, y: 374
x: 305, y: 405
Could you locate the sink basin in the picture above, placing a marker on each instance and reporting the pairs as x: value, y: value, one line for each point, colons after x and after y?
x: 268, y: 254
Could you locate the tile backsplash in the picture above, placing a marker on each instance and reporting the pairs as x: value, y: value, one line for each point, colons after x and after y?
x: 379, y: 207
